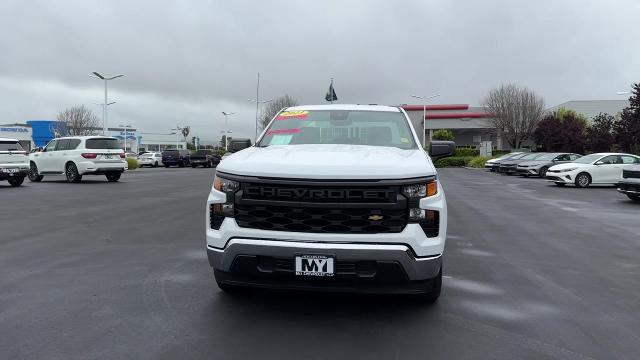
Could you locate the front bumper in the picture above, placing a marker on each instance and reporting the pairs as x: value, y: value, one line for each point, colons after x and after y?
x: 564, y: 177
x: 629, y: 187
x: 527, y: 171
x: 359, y: 267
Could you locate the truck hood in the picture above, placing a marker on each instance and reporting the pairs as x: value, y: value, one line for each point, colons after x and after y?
x: 329, y: 161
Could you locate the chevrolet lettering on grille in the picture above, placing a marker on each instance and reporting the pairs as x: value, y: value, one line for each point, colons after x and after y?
x: 316, y: 194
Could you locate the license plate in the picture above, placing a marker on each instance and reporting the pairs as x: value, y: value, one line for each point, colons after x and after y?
x: 10, y: 170
x: 314, y: 265
x: 107, y: 156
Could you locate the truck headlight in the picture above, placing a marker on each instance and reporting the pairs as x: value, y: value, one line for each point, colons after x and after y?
x: 418, y: 191
x: 225, y: 185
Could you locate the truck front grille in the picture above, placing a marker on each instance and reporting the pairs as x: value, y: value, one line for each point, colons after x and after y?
x: 317, y: 208
x: 321, y: 219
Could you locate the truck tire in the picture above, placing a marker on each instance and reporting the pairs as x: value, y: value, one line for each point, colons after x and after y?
x: 436, y: 288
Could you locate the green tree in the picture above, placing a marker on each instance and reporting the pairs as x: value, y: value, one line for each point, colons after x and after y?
x: 599, y: 136
x: 443, y: 134
x: 626, y: 129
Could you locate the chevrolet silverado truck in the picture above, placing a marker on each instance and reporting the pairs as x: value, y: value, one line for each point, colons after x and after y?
x: 333, y: 198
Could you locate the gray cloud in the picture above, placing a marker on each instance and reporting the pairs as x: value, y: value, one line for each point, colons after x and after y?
x: 186, y: 62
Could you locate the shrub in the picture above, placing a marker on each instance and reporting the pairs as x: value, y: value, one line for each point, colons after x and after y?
x: 478, y: 161
x: 467, y: 152
x: 454, y: 161
x: 443, y: 134
x: 132, y: 163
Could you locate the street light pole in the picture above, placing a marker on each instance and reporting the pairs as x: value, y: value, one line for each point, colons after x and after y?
x: 424, y: 116
x: 105, y: 114
x: 125, y: 135
x: 226, y: 127
x: 258, y: 102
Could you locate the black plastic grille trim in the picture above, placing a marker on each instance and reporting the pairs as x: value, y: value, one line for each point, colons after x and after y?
x: 215, y: 221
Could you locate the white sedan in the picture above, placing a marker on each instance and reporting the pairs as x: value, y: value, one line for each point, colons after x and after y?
x: 601, y: 168
x: 150, y: 159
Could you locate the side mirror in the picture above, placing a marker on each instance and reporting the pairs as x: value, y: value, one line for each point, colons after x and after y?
x: 599, y: 163
x: 441, y: 149
x: 237, y: 145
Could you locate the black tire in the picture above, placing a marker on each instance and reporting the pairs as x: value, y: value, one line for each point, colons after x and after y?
x: 634, y: 197
x: 583, y: 180
x: 113, y: 177
x: 155, y: 164
x: 33, y: 173
x: 166, y: 165
x: 181, y: 164
x: 16, y: 181
x: 193, y: 165
x: 543, y: 171
x: 435, y: 289
x: 71, y: 170
x: 560, y: 184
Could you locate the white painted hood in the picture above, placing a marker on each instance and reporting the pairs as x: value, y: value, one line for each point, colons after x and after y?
x: 329, y: 161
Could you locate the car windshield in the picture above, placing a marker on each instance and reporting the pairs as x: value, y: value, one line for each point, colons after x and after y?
x: 102, y: 143
x: 546, y: 157
x: 170, y: 152
x: 373, y: 128
x: 530, y: 156
x: 10, y: 146
x: 588, y: 159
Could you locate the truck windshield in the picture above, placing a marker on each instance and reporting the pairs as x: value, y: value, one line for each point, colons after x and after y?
x: 374, y: 128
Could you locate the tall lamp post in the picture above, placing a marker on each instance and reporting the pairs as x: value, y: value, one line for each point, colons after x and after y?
x: 424, y: 116
x: 177, y: 129
x: 125, y: 135
x: 103, y: 122
x: 226, y: 129
x: 104, y: 115
x: 258, y: 102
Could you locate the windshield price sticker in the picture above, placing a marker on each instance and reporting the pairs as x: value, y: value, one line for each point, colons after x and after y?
x: 290, y: 115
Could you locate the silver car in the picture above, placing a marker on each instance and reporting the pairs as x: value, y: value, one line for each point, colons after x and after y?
x: 540, y: 165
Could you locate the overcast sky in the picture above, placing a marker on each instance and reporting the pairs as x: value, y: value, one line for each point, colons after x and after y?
x: 186, y: 61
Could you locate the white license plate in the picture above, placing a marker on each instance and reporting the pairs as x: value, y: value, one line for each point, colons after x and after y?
x: 107, y: 156
x: 315, y: 265
x: 10, y: 170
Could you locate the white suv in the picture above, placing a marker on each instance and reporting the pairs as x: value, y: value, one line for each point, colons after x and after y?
x: 14, y: 162
x: 77, y: 156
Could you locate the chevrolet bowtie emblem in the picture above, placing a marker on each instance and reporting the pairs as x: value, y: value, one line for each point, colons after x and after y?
x: 376, y: 217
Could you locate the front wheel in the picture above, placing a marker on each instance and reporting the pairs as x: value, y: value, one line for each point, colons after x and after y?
x: 73, y: 176
x: 33, y: 173
x: 16, y: 181
x: 583, y: 180
x: 543, y: 172
x: 436, y: 288
x: 113, y: 177
x: 634, y: 197
x: 155, y: 164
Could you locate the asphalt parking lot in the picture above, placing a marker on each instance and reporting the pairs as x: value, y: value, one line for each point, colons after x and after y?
x: 103, y: 270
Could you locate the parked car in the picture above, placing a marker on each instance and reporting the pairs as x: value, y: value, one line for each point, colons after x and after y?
x: 509, y: 166
x: 14, y: 162
x: 495, y: 164
x: 539, y: 166
x: 630, y: 183
x: 131, y: 155
x: 77, y: 156
x: 489, y: 164
x: 152, y: 159
x: 204, y: 157
x: 176, y: 157
x: 600, y: 168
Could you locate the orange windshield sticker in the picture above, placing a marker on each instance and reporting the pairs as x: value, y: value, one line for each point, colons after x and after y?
x: 290, y: 115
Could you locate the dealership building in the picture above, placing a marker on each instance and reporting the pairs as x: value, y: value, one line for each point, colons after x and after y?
x: 471, y: 124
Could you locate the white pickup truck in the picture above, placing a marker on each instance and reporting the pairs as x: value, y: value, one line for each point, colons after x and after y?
x: 334, y: 198
x: 14, y: 162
